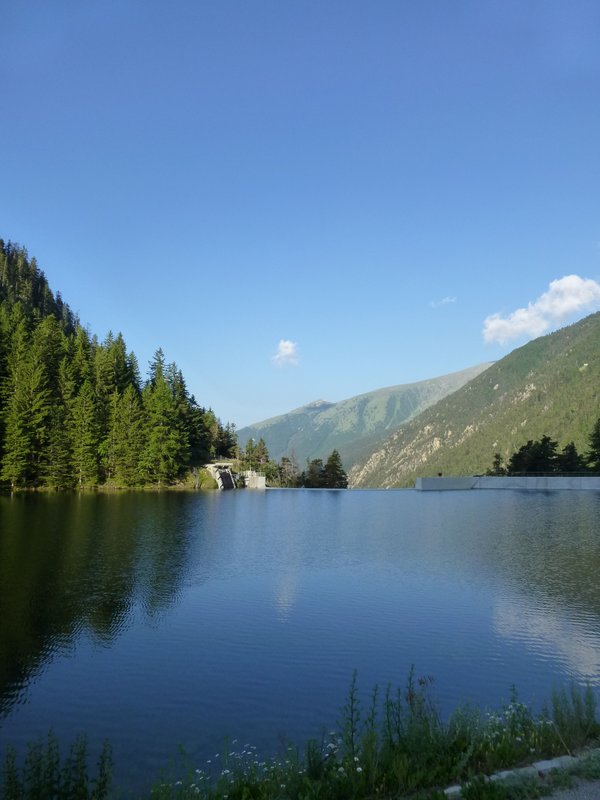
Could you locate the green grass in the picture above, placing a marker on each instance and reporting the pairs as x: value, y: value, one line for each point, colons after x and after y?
x: 398, y: 745
x: 46, y: 775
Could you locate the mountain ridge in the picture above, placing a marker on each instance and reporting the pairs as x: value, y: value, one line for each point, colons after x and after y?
x: 352, y: 426
x: 550, y: 385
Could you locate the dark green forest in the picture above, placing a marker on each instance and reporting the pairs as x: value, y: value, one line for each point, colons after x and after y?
x: 75, y: 412
x: 286, y: 473
x: 542, y: 456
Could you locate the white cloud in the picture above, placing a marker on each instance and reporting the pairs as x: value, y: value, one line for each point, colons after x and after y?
x: 443, y: 302
x: 287, y: 353
x: 564, y: 297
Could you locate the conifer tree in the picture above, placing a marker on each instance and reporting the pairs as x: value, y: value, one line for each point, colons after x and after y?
x: 313, y: 477
x: 569, y: 460
x: 593, y: 453
x: 81, y: 359
x: 26, y: 412
x: 59, y: 472
x: 108, y: 448
x: 334, y: 474
x: 48, y: 347
x: 84, y: 437
x: 129, y: 434
x: 165, y: 447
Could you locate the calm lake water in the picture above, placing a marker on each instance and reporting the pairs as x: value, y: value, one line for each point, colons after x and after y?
x: 165, y: 619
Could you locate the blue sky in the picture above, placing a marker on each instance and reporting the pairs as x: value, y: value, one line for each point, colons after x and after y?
x: 304, y: 200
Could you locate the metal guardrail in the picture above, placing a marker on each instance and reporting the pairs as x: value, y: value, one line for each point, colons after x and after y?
x: 539, y: 475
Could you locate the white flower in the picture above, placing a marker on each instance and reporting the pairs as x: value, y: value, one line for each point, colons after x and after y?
x: 359, y: 769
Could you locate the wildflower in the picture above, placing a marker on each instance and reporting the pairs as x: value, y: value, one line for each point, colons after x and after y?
x: 359, y: 769
x: 341, y: 770
x: 356, y: 758
x: 226, y: 772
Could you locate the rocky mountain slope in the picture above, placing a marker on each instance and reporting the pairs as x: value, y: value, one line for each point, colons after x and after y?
x: 353, y: 426
x: 549, y: 386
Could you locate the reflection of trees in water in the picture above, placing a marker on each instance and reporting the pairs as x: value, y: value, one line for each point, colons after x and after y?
x: 78, y: 564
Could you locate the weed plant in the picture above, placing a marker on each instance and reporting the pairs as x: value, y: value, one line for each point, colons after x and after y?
x: 44, y: 775
x: 400, y: 746
x: 395, y: 746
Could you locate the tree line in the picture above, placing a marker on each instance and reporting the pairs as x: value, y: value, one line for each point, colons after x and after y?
x: 543, y: 456
x: 75, y: 412
x: 286, y: 473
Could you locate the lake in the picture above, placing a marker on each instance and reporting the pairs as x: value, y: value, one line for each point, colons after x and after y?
x: 178, y: 618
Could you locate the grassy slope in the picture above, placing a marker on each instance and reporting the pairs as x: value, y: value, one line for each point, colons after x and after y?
x: 353, y: 426
x: 549, y: 386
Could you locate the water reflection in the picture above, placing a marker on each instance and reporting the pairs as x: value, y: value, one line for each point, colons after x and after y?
x: 77, y: 564
x: 154, y: 619
x: 553, y: 634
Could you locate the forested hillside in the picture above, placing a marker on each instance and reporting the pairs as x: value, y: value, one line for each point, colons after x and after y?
x: 74, y: 411
x: 353, y: 426
x: 548, y: 387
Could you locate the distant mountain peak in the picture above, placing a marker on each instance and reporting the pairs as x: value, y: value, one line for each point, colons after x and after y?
x: 353, y: 426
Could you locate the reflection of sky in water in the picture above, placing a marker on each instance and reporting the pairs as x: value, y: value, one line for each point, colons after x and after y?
x: 548, y: 631
x: 187, y: 618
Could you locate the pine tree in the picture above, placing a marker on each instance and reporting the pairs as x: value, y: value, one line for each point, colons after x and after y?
x: 497, y: 467
x: 130, y: 436
x: 81, y: 359
x: 314, y: 476
x: 334, y: 476
x: 108, y: 448
x: 201, y: 438
x: 59, y: 472
x: 226, y: 443
x: 48, y: 348
x: 593, y: 453
x: 569, y: 460
x: 165, y: 447
x: 84, y: 437
x: 27, y: 410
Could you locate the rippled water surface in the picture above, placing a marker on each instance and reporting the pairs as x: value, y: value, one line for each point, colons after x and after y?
x: 165, y: 619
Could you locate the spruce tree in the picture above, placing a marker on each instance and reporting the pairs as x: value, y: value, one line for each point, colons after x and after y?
x: 26, y: 404
x: 569, y: 460
x: 59, y: 471
x: 314, y: 476
x: 593, y: 453
x: 334, y: 476
x: 165, y: 446
x: 130, y: 438
x: 84, y: 437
